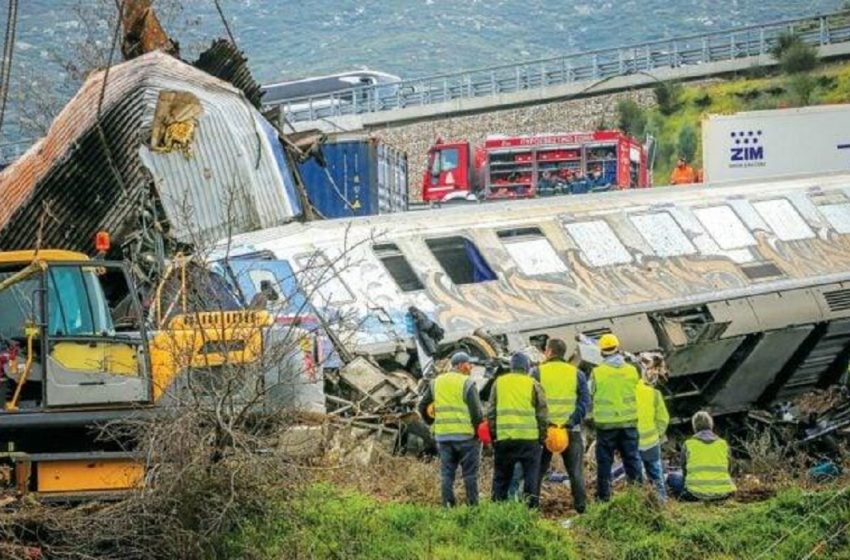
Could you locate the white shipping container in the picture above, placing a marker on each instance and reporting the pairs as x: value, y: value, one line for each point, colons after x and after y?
x: 762, y: 144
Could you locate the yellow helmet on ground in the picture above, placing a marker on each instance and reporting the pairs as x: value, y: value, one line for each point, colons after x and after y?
x: 557, y: 439
x: 609, y: 342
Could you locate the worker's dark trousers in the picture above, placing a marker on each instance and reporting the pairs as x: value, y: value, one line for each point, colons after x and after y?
x: 506, y: 455
x: 467, y: 454
x: 573, y: 457
x: 624, y: 440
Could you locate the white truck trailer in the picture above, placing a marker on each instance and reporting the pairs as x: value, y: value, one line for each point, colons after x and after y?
x: 767, y: 144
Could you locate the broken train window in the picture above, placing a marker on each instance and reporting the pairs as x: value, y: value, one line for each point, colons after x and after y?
x: 663, y: 234
x: 599, y: 245
x: 725, y: 227
x: 531, y: 251
x: 320, y: 277
x: 461, y: 260
x: 396, y: 264
x: 784, y: 219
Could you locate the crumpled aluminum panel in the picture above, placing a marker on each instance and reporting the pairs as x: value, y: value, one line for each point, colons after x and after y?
x: 92, y: 177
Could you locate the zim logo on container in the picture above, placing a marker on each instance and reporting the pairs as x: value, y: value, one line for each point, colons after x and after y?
x: 748, y: 147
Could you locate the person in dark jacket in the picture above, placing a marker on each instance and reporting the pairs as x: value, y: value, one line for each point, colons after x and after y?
x: 518, y: 418
x: 457, y: 413
x: 568, y: 399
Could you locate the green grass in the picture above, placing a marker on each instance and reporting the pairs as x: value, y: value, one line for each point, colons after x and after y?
x: 738, y: 94
x: 326, y: 522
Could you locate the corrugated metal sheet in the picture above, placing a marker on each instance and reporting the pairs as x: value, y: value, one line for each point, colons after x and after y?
x: 223, y: 60
x: 91, y: 182
x: 361, y: 178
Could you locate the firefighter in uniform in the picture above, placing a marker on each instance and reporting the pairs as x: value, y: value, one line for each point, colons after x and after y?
x: 518, y: 418
x: 615, y: 415
x: 568, y: 399
x: 456, y: 413
x: 705, y: 465
x: 653, y: 419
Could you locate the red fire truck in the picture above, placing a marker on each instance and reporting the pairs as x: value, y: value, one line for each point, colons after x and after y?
x: 535, y: 165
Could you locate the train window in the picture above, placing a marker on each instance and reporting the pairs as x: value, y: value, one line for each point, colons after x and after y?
x: 784, y: 219
x: 598, y: 243
x: 663, y: 234
x: 393, y: 260
x: 461, y: 260
x: 531, y: 251
x: 321, y: 278
x: 725, y: 227
x: 838, y: 216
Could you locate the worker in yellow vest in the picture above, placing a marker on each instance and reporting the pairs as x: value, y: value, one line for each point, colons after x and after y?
x: 568, y: 398
x: 614, y: 385
x: 457, y: 413
x: 653, y: 419
x: 518, y: 418
x: 705, y: 465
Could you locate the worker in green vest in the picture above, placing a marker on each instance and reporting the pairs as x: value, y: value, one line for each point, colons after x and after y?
x: 705, y: 465
x: 653, y: 419
x: 457, y: 413
x: 518, y: 418
x: 568, y: 398
x: 614, y: 385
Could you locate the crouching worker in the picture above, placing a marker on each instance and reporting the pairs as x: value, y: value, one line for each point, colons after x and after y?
x: 518, y: 417
x: 705, y: 465
x: 457, y: 415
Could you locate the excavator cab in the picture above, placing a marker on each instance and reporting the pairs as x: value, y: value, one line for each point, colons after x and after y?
x: 59, y: 347
x: 66, y: 371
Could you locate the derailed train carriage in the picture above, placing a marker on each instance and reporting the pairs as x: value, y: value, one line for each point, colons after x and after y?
x: 744, y: 287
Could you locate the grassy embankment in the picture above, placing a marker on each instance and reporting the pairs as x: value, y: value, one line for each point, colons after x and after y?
x: 828, y: 84
x: 325, y: 522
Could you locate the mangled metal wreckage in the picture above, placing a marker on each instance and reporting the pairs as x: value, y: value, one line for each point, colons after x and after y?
x: 168, y: 158
x: 744, y: 288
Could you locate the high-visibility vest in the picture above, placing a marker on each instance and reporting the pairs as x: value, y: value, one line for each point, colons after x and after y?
x: 646, y: 403
x: 560, y: 382
x: 451, y: 413
x: 515, y: 414
x: 708, y: 469
x: 614, y: 398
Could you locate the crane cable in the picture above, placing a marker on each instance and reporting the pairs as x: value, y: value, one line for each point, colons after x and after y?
x: 224, y: 21
x: 8, y: 50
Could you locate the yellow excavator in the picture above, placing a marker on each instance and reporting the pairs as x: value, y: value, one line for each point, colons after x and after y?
x: 77, y: 352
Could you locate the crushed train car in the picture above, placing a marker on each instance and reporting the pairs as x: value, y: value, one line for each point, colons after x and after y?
x: 164, y: 156
x: 744, y: 288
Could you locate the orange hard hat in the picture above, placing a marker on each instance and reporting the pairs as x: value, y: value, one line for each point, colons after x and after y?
x: 557, y: 439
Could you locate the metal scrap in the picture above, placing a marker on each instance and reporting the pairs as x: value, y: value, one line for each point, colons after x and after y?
x: 143, y: 33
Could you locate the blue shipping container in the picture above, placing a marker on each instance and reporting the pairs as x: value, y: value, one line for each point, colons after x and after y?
x: 362, y: 178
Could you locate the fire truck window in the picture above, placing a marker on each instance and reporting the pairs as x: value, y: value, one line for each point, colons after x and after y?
x: 838, y: 216
x: 393, y: 260
x: 663, y: 234
x: 725, y: 227
x: 449, y: 159
x: 784, y: 219
x: 531, y: 251
x: 461, y: 260
x: 598, y: 243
